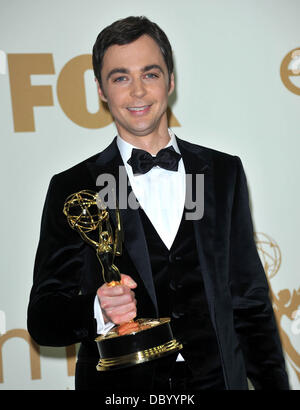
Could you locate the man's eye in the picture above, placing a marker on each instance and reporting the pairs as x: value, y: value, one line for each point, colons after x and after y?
x: 151, y: 75
x: 119, y: 79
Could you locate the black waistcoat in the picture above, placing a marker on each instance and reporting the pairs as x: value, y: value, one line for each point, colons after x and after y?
x: 181, y: 296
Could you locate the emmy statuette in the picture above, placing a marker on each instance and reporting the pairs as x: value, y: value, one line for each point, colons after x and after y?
x: 140, y: 340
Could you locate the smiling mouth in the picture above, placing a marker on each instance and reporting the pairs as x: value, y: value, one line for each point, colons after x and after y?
x: 139, y: 110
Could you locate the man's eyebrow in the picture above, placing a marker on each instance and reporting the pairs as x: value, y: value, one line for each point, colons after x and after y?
x: 151, y: 67
x: 121, y: 70
x: 117, y: 70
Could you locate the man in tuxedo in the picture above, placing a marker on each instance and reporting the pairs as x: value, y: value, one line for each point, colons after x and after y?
x: 202, y: 270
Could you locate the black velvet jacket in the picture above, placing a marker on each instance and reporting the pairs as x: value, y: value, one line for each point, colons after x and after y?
x: 67, y: 272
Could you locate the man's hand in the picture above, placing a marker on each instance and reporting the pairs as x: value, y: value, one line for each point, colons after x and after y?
x: 118, y: 302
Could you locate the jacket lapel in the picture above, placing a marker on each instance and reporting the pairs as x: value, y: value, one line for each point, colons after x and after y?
x: 197, y: 161
x: 109, y: 162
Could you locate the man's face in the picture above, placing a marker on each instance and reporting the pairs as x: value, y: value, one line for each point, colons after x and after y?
x: 136, y: 86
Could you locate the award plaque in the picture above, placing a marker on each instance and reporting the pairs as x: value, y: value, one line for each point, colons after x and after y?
x: 139, y: 340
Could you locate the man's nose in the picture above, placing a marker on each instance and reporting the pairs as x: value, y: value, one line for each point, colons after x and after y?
x: 138, y: 88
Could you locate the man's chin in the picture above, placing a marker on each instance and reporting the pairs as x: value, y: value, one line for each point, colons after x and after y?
x: 137, y: 132
x: 141, y: 128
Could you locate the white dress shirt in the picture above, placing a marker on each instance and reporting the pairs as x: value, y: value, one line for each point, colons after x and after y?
x: 155, y: 191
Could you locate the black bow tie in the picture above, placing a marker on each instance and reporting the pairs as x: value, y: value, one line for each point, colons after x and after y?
x: 141, y: 161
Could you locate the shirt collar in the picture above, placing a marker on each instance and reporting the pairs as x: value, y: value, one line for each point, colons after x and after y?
x: 125, y: 147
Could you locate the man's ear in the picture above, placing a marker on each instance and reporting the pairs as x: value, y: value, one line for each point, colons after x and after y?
x: 100, y: 91
x: 171, y: 84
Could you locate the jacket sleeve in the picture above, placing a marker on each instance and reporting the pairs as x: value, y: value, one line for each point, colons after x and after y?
x: 254, y: 319
x: 59, y: 313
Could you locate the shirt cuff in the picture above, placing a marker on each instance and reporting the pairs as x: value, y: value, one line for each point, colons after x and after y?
x: 102, y: 328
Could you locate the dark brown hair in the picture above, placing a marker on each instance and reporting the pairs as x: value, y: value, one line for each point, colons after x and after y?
x: 126, y: 31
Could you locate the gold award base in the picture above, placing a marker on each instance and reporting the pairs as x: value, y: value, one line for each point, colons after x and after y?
x: 150, y: 339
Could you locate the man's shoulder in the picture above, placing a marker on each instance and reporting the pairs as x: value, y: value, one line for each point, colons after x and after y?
x: 207, y: 153
x: 78, y: 176
x: 222, y: 165
x: 81, y: 168
x: 77, y: 168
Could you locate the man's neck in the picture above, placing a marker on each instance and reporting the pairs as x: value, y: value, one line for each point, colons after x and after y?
x: 153, y: 146
x: 151, y: 143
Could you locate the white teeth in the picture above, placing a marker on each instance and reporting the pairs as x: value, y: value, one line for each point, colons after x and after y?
x: 137, y: 108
